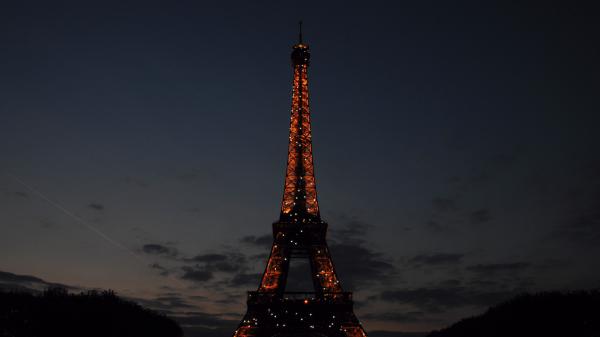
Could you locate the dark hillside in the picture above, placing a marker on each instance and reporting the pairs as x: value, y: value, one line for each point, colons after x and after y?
x: 572, y: 314
x: 58, y: 313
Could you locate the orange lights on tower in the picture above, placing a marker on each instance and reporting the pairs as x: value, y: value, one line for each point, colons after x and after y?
x: 300, y: 190
x: 326, y: 310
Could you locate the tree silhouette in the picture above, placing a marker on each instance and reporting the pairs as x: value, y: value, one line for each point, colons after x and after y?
x: 55, y: 312
x: 547, y: 314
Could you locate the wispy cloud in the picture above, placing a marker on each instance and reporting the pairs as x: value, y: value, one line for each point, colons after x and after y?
x: 499, y: 267
x: 159, y: 249
x: 356, y: 262
x: 438, y: 299
x: 12, y: 281
x: 436, y: 259
x: 480, y: 216
x: 96, y: 206
x: 262, y: 241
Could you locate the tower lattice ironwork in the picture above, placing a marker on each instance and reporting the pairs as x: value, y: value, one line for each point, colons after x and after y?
x: 300, y: 233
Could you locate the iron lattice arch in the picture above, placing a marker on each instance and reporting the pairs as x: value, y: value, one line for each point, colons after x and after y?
x: 300, y: 233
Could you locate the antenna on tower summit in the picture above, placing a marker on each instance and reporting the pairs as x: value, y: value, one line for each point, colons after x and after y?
x: 300, y: 31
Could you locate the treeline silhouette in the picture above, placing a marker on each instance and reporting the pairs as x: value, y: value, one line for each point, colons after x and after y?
x: 565, y: 314
x: 55, y: 312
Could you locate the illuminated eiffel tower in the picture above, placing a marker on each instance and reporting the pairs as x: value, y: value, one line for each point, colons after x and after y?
x: 300, y: 234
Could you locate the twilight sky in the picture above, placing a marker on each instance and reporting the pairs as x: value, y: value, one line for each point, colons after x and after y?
x: 143, y: 148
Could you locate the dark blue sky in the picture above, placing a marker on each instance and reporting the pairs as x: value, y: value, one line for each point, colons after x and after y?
x: 456, y: 149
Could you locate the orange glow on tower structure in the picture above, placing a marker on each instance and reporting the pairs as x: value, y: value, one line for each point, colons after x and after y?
x: 300, y: 233
x: 300, y: 190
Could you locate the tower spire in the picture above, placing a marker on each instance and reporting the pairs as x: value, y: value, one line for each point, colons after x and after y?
x: 300, y: 32
x: 300, y: 192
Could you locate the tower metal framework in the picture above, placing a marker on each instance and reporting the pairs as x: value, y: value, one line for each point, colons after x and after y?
x: 300, y: 233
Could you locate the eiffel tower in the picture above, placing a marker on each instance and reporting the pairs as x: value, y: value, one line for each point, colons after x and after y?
x: 300, y: 234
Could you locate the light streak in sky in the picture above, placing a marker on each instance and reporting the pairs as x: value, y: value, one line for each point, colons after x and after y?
x: 77, y: 218
x: 88, y: 226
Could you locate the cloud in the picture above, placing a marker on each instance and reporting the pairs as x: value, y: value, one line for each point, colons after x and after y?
x: 167, y: 303
x: 10, y: 281
x: 438, y: 299
x: 487, y: 285
x: 263, y: 241
x: 383, y: 333
x: 356, y: 263
x: 443, y: 214
x: 231, y: 298
x: 260, y: 256
x: 436, y: 259
x: 450, y: 283
x: 174, y: 301
x: 158, y: 249
x: 402, y: 317
x: 96, y: 206
x: 21, y: 194
x: 582, y: 228
x: 10, y: 277
x: 352, y: 230
x: 207, y: 265
x: 436, y: 226
x: 227, y: 266
x: 480, y: 216
x: 244, y: 279
x: 135, y: 181
x: 198, y: 297
x: 443, y: 205
x: 203, y: 319
x: 47, y: 223
x: 196, y: 274
x: 499, y: 267
x: 14, y: 194
x: 229, y: 262
x: 162, y: 270
x: 194, y: 176
x: 208, y: 258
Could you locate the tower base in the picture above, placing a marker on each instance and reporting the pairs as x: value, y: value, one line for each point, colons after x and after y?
x: 299, y: 314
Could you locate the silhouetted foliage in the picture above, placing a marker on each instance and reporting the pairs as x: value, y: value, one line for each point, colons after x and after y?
x: 58, y: 313
x: 573, y: 314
